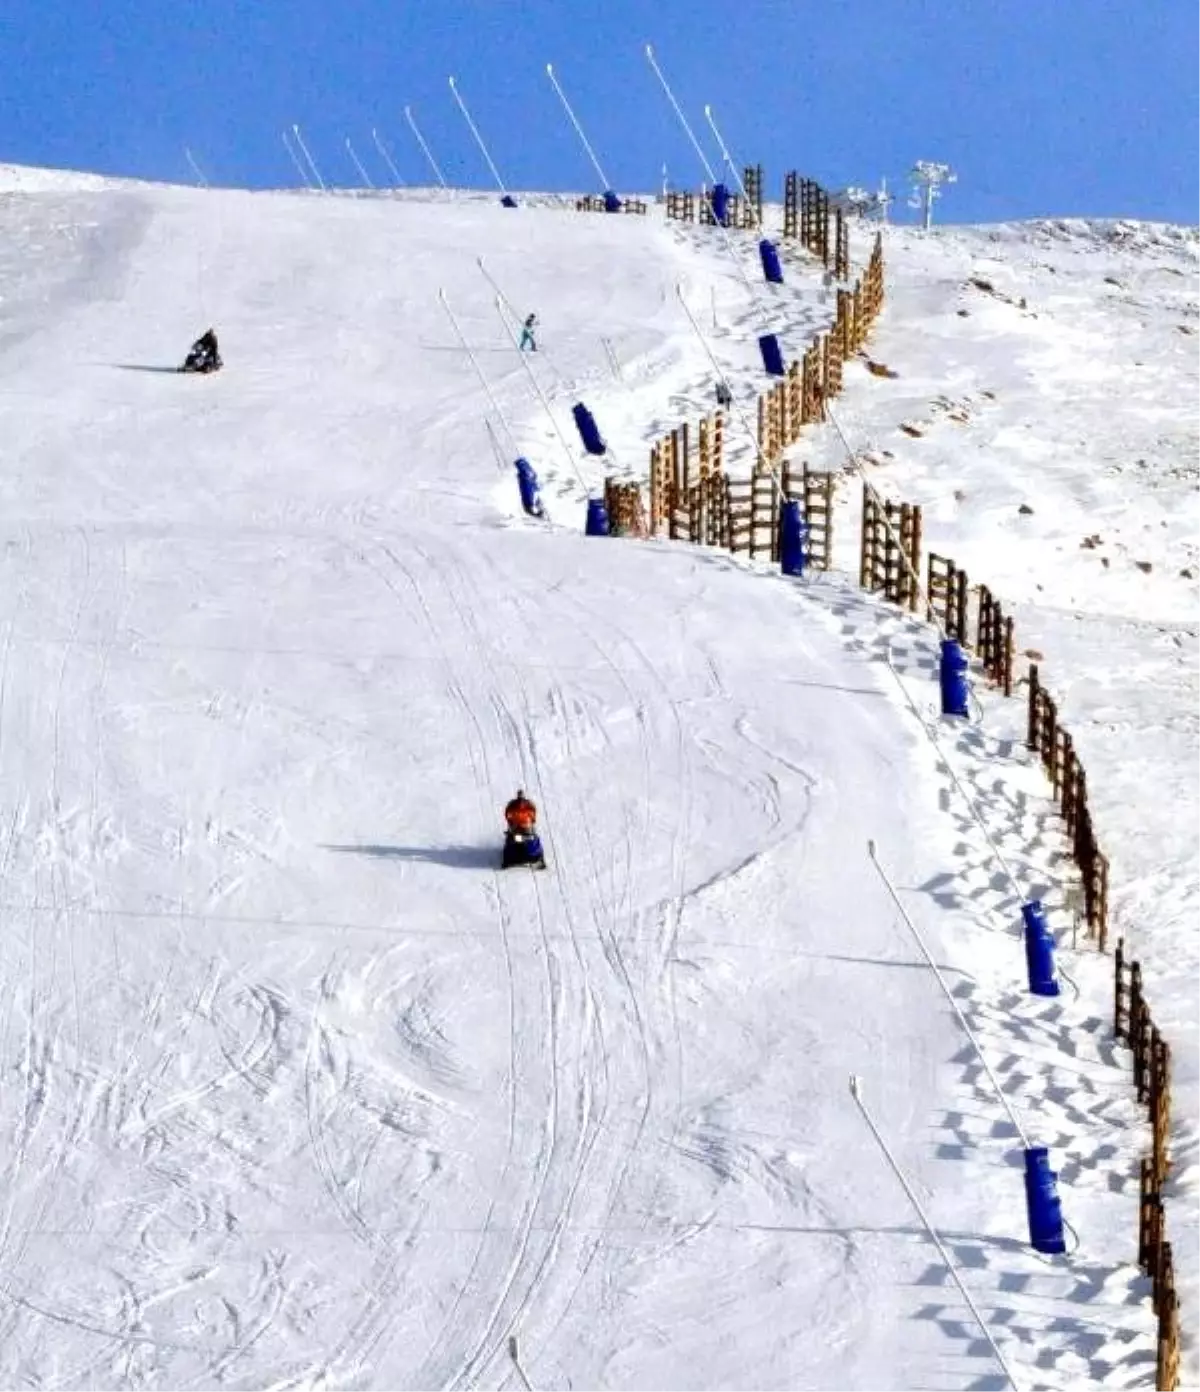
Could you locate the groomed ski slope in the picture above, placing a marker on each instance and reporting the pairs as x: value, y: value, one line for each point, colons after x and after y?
x: 297, y: 1089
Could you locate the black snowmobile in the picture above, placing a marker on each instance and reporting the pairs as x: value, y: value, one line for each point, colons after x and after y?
x: 203, y: 355
x: 522, y: 848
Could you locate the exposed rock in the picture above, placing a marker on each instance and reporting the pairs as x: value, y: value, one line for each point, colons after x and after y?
x: 966, y: 314
x: 980, y: 284
x: 910, y: 428
x: 1144, y: 566
x: 1025, y: 509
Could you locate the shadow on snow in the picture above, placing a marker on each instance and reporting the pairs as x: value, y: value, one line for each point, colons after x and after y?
x: 463, y: 857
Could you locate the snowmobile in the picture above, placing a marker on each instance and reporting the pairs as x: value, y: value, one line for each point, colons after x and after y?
x: 523, y: 847
x: 203, y: 355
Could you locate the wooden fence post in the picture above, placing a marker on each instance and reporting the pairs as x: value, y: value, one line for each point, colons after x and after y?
x: 790, y: 205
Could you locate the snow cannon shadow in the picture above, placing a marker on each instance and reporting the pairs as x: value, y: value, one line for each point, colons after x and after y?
x: 461, y: 857
x: 1032, y: 1305
x: 882, y: 632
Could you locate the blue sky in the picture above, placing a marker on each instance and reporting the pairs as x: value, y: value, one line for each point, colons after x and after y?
x: 1042, y: 107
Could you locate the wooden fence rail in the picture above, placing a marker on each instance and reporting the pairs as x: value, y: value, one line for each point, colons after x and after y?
x: 1152, y: 1079
x: 811, y: 218
x: 994, y: 640
x: 682, y: 205
x: 594, y: 203
x: 890, y: 549
x: 814, y: 491
x: 1047, y: 738
x: 946, y: 591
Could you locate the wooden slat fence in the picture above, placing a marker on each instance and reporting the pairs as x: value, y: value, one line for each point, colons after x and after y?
x: 1152, y: 1079
x: 1047, y: 737
x: 814, y: 491
x: 890, y: 549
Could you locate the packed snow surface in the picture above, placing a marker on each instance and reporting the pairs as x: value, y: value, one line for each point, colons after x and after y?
x: 297, y: 1089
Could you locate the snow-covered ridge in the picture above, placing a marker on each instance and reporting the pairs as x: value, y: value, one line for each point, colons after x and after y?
x: 19, y: 178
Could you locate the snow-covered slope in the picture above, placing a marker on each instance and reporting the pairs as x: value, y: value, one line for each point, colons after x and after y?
x: 1052, y: 370
x: 297, y: 1088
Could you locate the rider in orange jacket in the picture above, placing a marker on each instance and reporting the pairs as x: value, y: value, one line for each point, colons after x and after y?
x: 520, y: 814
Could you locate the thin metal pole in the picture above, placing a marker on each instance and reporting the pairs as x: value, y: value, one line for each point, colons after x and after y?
x: 578, y: 128
x: 433, y: 164
x: 980, y: 819
x: 729, y: 246
x: 516, y: 1361
x: 462, y: 106
x: 946, y: 991
x: 300, y: 169
x: 883, y: 517
x: 682, y: 118
x: 497, y: 454
x: 366, y: 178
x: 515, y: 317
x: 856, y: 1093
x: 737, y: 410
x: 311, y: 162
x: 387, y: 159
x: 196, y: 170
x: 483, y: 381
x: 537, y: 387
x: 728, y: 158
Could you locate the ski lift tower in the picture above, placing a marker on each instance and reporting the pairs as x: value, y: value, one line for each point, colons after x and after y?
x: 928, y: 179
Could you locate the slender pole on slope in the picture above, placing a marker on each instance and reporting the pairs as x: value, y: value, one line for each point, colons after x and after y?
x: 516, y: 1362
x: 946, y: 991
x: 491, y: 280
x: 914, y: 574
x: 196, y: 170
x: 433, y: 164
x: 733, y: 169
x: 729, y: 246
x: 515, y: 318
x: 737, y: 410
x: 387, y: 159
x: 312, y: 164
x: 541, y: 395
x: 462, y: 106
x: 295, y: 158
x: 497, y: 452
x: 951, y: 1267
x: 483, y: 381
x: 362, y: 173
x: 683, y: 121
x: 976, y: 813
x: 591, y: 154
